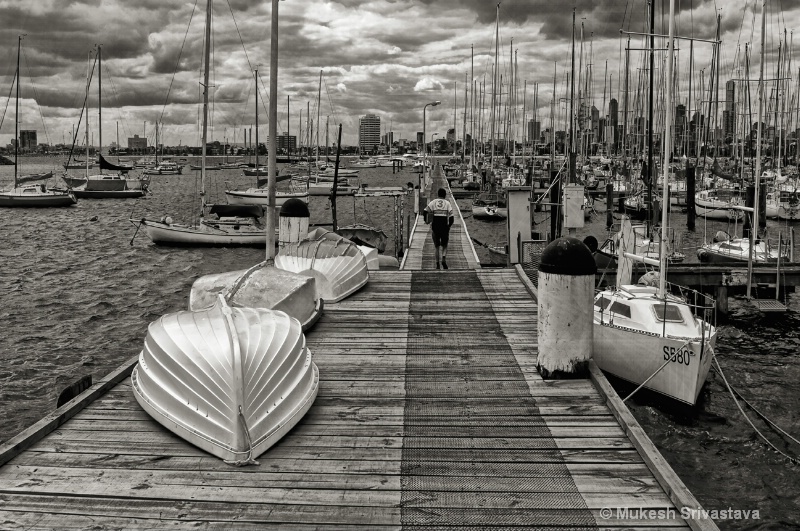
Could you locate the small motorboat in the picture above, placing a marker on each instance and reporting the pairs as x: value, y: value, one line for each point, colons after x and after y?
x: 339, y: 267
x: 231, y: 381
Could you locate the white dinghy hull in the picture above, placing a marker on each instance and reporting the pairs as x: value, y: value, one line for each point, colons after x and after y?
x: 231, y: 381
x: 261, y: 286
x: 339, y: 267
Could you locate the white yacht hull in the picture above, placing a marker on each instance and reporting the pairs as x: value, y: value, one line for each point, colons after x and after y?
x: 33, y: 197
x: 202, y: 235
x: 634, y: 356
x: 259, y: 196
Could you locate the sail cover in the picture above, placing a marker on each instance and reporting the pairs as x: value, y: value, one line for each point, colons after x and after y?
x: 105, y: 165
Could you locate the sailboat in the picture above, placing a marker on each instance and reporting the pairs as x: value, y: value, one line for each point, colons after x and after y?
x: 104, y: 185
x: 259, y: 195
x: 751, y: 249
x: 30, y: 195
x: 647, y: 335
x: 235, y: 225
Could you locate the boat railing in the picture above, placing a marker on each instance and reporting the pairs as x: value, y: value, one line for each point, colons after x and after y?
x: 701, y: 304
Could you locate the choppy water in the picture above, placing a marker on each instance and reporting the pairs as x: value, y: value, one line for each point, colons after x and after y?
x: 77, y: 299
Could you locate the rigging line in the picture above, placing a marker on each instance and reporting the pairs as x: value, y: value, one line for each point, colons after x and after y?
x: 83, y: 108
x: 235, y: 25
x: 36, y: 96
x: 119, y: 106
x: 769, y: 443
x: 8, y: 98
x: 178, y: 60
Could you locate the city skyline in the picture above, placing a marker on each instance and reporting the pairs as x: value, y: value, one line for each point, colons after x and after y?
x: 373, y: 59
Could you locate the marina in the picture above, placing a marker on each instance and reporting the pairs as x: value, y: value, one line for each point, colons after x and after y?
x: 415, y: 424
x: 554, y: 311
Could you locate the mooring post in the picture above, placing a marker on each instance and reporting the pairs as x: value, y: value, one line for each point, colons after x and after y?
x: 566, y: 316
x: 293, y: 222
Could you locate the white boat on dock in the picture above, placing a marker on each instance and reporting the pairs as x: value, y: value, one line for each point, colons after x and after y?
x: 338, y: 266
x: 231, y: 381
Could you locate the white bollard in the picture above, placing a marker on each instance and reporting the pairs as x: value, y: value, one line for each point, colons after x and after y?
x: 565, y: 321
x: 293, y: 224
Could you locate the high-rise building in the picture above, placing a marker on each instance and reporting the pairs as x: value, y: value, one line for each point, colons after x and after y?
x: 420, y: 141
x: 137, y: 143
x: 388, y: 139
x: 613, y: 118
x: 534, y: 131
x: 285, y: 142
x: 729, y: 114
x: 680, y: 129
x: 27, y: 140
x: 369, y: 132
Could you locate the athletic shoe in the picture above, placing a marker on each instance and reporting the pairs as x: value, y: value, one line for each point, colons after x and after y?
x: 437, y: 265
x: 444, y: 263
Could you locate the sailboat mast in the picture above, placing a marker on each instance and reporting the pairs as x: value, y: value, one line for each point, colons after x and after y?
x: 100, y: 97
x: 319, y: 104
x: 273, y: 132
x: 572, y: 107
x: 662, y: 277
x: 255, y: 78
x: 494, y: 81
x: 16, y: 116
x: 464, y: 131
x: 757, y: 174
x: 455, y: 113
x: 206, y: 59
x: 650, y: 118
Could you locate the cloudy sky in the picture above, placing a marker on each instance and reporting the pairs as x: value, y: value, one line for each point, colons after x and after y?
x: 384, y: 57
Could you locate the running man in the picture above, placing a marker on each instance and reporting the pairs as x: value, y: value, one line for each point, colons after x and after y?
x: 439, y: 213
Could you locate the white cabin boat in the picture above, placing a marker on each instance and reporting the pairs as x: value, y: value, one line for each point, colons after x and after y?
x: 36, y: 196
x: 671, y: 343
x: 719, y: 203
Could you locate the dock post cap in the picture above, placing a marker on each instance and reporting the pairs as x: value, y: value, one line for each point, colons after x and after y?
x: 567, y: 256
x: 294, y: 208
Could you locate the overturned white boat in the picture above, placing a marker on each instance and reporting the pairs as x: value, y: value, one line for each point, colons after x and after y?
x: 261, y: 286
x: 370, y: 253
x: 339, y: 267
x: 231, y: 381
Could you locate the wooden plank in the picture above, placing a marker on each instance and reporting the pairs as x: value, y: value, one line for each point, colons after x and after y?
x: 26, y: 438
x: 669, y: 480
x: 372, y: 429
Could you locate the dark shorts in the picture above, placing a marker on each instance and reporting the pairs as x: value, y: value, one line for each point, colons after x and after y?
x: 441, y: 236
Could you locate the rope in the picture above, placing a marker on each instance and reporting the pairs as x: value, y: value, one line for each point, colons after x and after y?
x: 8, y: 98
x: 733, y: 395
x: 177, y: 62
x: 653, y: 375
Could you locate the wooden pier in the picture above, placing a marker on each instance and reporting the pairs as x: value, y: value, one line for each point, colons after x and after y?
x: 430, y: 414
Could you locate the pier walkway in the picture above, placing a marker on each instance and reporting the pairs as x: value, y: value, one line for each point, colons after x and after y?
x: 430, y: 414
x: 421, y: 253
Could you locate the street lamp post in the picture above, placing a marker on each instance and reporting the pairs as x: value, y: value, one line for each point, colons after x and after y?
x: 424, y: 135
